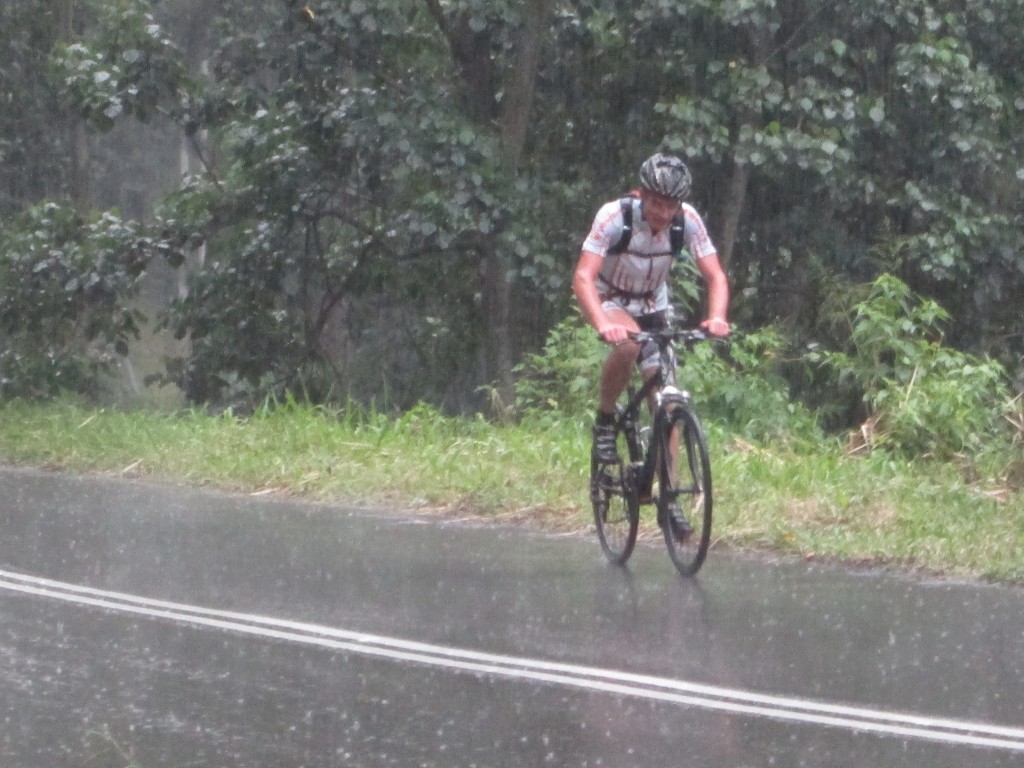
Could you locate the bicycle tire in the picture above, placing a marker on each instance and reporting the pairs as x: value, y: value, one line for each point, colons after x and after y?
x: 689, y: 486
x: 616, y: 509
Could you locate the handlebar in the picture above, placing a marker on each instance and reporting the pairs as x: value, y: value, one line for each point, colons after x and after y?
x: 687, y: 336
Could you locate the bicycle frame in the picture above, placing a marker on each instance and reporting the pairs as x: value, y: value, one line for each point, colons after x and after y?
x: 683, y: 496
x: 662, y: 385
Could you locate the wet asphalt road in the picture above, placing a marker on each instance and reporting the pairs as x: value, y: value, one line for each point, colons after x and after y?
x: 169, y: 627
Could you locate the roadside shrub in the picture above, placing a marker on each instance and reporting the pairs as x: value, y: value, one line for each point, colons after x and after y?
x: 739, y: 384
x: 735, y: 383
x: 65, y: 289
x: 922, y: 398
x: 563, y: 377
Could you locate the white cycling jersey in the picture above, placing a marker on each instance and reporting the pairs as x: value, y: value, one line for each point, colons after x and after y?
x: 636, y: 279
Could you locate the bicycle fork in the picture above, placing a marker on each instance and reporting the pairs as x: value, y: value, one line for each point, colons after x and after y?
x: 644, y: 468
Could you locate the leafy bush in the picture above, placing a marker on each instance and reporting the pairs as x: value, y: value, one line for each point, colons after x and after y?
x: 739, y: 384
x: 736, y: 384
x: 563, y: 377
x: 922, y: 397
x: 65, y: 286
x: 130, y: 70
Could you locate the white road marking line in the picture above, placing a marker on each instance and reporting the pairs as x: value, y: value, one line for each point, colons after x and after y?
x: 592, y: 678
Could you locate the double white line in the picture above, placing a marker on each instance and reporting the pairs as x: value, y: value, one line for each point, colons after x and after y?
x: 909, y: 726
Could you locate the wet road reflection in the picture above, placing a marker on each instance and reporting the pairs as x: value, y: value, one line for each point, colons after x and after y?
x: 82, y: 681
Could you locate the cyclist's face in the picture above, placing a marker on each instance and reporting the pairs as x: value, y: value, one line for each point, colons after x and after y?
x: 658, y: 209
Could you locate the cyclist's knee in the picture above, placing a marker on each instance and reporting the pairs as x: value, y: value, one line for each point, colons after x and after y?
x: 648, y: 357
x: 625, y: 353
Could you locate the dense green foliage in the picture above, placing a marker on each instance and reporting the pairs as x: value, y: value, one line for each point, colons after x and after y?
x: 736, y: 384
x: 920, y: 398
x: 923, y: 397
x: 32, y: 154
x: 560, y: 378
x: 349, y: 186
x: 65, y: 310
x: 386, y: 197
x: 130, y: 69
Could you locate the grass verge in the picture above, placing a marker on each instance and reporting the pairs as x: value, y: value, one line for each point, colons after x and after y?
x: 791, y: 500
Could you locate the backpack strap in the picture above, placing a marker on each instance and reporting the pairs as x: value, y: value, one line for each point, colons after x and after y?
x: 626, y: 206
x: 676, y: 232
x: 677, y: 235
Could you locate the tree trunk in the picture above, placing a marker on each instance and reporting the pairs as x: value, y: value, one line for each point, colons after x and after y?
x: 78, y: 139
x: 471, y: 52
x: 497, y: 294
x: 761, y: 46
x: 732, y: 211
x: 517, y: 107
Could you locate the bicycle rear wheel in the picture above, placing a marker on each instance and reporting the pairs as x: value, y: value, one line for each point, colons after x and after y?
x: 616, y: 509
x: 684, y: 491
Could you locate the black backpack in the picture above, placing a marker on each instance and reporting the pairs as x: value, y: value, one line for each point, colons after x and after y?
x: 676, y: 231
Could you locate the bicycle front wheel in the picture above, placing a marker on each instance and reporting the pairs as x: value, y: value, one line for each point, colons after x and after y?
x: 684, y: 491
x: 616, y: 509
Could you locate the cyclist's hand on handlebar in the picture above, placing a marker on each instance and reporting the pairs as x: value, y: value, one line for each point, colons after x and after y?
x: 716, y: 326
x: 614, y: 333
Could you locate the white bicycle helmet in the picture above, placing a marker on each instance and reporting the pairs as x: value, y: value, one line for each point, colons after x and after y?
x: 666, y: 175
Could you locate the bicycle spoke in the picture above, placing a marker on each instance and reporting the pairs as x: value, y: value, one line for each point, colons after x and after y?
x: 616, y: 511
x: 684, y: 500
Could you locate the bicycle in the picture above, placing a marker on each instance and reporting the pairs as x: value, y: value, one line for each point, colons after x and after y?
x: 667, y: 466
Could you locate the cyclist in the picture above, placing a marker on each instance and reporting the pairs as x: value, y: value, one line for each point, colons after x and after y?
x: 624, y: 292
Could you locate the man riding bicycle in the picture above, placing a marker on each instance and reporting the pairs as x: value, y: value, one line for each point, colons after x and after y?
x: 624, y: 290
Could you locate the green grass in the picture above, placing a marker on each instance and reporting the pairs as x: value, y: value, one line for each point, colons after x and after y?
x: 804, y: 501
